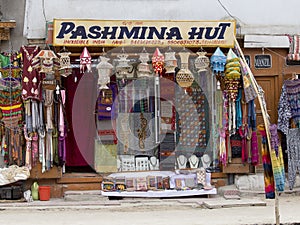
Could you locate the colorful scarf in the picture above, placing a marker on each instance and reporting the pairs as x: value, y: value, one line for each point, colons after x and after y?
x: 267, y: 165
x: 277, y: 159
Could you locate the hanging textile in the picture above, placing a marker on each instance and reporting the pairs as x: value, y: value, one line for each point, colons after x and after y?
x: 30, y: 76
x: 277, y: 159
x: 289, y: 106
x: 252, y: 133
x: 267, y: 165
x: 294, y: 51
x: 293, y: 150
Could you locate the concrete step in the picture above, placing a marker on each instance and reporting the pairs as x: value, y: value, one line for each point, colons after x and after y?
x: 91, y: 195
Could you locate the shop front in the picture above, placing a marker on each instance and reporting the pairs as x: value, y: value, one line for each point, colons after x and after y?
x: 146, y: 105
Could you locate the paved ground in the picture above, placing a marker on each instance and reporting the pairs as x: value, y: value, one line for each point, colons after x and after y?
x: 181, y: 211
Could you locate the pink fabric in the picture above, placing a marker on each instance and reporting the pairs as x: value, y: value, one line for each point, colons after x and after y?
x: 254, y: 149
x: 61, y: 114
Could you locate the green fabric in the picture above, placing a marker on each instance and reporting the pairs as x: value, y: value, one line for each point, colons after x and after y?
x: 4, y: 61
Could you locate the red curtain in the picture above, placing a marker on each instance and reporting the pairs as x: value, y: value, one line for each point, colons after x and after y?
x: 80, y: 109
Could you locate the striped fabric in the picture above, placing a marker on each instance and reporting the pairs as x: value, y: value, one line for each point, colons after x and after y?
x: 277, y: 159
x: 294, y: 52
x: 267, y: 165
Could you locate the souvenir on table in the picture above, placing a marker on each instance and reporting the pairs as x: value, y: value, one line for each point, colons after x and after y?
x: 201, y: 176
x: 143, y: 69
x: 206, y: 161
x: 151, y: 182
x: 181, y: 162
x: 184, y: 76
x: 170, y: 61
x: 201, y: 62
x: 130, y: 183
x: 153, y: 163
x: 141, y: 184
x: 108, y: 186
x: 190, y: 182
x: 159, y: 182
x: 85, y: 61
x: 193, y: 161
x: 120, y: 186
x: 127, y: 162
x: 166, y: 182
x: 141, y: 163
x: 104, y: 72
x: 158, y: 62
x: 179, y: 183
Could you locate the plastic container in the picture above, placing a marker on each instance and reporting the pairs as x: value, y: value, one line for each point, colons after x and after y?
x: 35, y: 191
x: 44, y: 193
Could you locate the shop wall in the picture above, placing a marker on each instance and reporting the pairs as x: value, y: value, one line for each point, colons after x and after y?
x: 255, y: 20
x: 13, y: 10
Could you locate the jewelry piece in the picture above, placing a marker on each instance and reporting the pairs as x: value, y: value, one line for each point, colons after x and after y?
x: 206, y: 161
x: 181, y: 162
x: 154, y: 163
x: 194, y: 161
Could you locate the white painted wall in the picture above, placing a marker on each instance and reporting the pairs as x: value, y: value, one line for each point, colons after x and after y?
x: 277, y: 17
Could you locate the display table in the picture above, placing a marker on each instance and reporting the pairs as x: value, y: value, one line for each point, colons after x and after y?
x: 159, y: 194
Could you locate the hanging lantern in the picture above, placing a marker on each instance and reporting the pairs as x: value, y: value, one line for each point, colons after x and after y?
x: 218, y: 61
x: 158, y: 61
x: 65, y: 64
x: 184, y: 77
x: 201, y: 62
x: 45, y: 61
x: 123, y: 67
x: 144, y: 68
x: 85, y: 61
x: 104, y: 72
x: 170, y: 62
x: 232, y: 74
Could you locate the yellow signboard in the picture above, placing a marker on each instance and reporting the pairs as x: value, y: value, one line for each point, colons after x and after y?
x: 143, y: 33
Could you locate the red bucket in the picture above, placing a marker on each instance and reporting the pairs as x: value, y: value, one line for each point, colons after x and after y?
x: 44, y: 193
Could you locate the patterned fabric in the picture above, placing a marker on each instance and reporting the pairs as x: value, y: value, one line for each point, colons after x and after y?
x: 277, y: 159
x: 294, y: 51
x: 236, y: 145
x: 293, y: 149
x: 30, y: 77
x: 192, y: 118
x: 268, y: 172
x: 289, y: 105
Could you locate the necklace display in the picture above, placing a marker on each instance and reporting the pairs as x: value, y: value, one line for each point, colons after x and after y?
x: 205, y: 159
x: 181, y: 161
x: 153, y: 163
x: 194, y: 161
